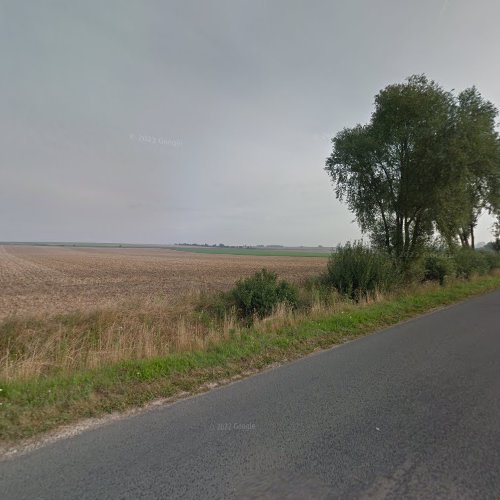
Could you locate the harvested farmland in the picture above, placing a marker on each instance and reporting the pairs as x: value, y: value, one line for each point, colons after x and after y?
x: 67, y: 308
x: 38, y: 280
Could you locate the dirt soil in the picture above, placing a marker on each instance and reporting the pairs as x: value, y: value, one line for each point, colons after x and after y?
x: 48, y: 280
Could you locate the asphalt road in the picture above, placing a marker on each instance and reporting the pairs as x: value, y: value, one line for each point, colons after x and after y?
x: 411, y: 412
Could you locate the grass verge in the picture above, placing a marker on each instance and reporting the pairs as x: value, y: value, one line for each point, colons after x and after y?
x: 33, y: 406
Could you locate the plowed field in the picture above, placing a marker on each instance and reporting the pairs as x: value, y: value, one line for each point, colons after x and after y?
x: 47, y: 280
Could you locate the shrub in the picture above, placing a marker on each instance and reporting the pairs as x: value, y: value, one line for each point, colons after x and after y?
x: 414, y: 271
x: 470, y: 262
x: 493, y: 259
x: 356, y: 269
x: 260, y: 293
x: 438, y: 267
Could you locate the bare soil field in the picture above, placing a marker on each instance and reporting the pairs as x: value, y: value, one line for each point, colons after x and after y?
x: 48, y: 280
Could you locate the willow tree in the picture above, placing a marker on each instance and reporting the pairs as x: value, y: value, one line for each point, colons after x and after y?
x: 476, y: 187
x: 407, y: 172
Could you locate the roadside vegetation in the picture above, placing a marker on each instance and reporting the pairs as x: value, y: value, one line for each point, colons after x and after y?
x: 60, y: 369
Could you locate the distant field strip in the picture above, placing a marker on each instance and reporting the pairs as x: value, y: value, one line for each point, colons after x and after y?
x: 38, y: 280
x: 262, y: 252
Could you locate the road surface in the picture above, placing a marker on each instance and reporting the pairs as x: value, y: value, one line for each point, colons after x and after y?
x: 410, y: 412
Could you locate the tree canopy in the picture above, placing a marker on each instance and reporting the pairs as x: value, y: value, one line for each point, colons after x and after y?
x: 428, y: 160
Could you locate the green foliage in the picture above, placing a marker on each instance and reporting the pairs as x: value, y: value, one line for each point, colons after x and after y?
x: 492, y: 246
x: 438, y: 267
x: 470, y: 262
x: 462, y: 263
x: 428, y: 158
x: 260, y: 293
x: 476, y: 185
x: 391, y: 172
x: 355, y: 270
x: 415, y: 271
x: 493, y: 259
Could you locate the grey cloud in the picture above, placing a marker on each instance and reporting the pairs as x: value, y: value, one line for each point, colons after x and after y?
x: 250, y: 89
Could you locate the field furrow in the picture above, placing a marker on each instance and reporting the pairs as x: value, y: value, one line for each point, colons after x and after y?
x: 48, y: 280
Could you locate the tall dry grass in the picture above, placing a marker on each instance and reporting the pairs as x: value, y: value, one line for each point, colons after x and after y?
x: 37, y: 345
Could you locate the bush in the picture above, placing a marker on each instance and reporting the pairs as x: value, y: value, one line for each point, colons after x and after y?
x: 469, y: 262
x: 260, y: 293
x: 356, y: 269
x: 493, y: 259
x: 438, y: 267
x: 414, y: 271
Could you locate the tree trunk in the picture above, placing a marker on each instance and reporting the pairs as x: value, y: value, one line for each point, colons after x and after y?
x: 386, y: 231
x: 463, y: 239
x: 406, y: 238
x: 399, y: 236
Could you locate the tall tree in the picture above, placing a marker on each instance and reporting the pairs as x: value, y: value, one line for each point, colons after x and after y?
x: 391, y: 172
x: 427, y: 159
x: 477, y: 185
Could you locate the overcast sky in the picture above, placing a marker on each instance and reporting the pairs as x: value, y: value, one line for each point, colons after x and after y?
x: 208, y: 121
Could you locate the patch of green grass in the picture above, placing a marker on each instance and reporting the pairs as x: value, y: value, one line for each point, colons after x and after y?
x: 263, y: 252
x: 32, y: 406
